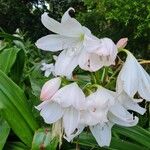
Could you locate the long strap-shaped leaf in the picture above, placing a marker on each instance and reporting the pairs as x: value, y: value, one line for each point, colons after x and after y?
x: 7, y: 58
x: 4, y: 132
x: 87, y: 141
x: 136, y: 133
x: 13, y: 104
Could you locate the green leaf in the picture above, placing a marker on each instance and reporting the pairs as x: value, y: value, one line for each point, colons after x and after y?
x: 15, y: 146
x: 4, y: 132
x: 43, y: 140
x: 136, y: 133
x: 9, y: 36
x: 14, y: 108
x: 7, y: 58
x: 17, y: 68
x: 87, y: 140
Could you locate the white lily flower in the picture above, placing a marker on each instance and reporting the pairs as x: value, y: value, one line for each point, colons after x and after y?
x: 95, y: 116
x: 66, y: 103
x: 75, y: 39
x: 98, y: 105
x: 48, y: 69
x: 133, y: 78
x: 103, y: 111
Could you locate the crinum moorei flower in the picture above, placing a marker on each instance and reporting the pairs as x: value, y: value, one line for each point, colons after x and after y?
x: 79, y: 46
x: 133, y: 78
x: 64, y: 103
x: 104, y: 108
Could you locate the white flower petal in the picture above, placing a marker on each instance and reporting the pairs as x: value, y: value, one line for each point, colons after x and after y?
x: 137, y: 80
x: 128, y: 77
x: 48, y: 68
x: 86, y: 31
x: 130, y: 103
x: 89, y: 61
x: 119, y: 115
x: 70, y: 95
x: 51, y: 112
x: 91, y: 43
x: 79, y: 130
x: 107, y: 48
x: 91, y: 119
x: 66, y: 15
x: 65, y: 64
x: 144, y: 84
x: 55, y: 42
x: 98, y: 104
x: 102, y: 133
x: 70, y: 120
x: 47, y: 72
x: 71, y: 27
x: 51, y: 24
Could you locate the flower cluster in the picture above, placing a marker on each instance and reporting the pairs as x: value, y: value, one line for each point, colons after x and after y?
x: 102, y: 108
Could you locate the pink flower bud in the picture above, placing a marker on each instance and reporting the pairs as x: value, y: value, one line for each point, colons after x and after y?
x: 122, y: 42
x: 50, y: 88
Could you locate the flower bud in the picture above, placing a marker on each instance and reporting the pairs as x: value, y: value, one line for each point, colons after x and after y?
x: 122, y: 42
x: 50, y: 88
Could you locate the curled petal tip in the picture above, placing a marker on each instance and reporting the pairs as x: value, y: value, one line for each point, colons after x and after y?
x: 71, y: 8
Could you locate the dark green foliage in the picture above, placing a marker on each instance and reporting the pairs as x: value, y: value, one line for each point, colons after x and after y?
x: 116, y: 19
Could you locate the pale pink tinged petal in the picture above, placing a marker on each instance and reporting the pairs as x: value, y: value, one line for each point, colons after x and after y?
x: 66, y: 15
x: 89, y: 61
x: 128, y: 77
x: 95, y: 62
x: 65, y: 64
x: 51, y: 112
x: 70, y: 120
x: 70, y: 95
x: 102, y: 133
x: 106, y: 48
x: 50, y: 88
x: 55, y: 42
x: 122, y: 42
x: 80, y: 128
x: 119, y: 115
x: 84, y: 61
